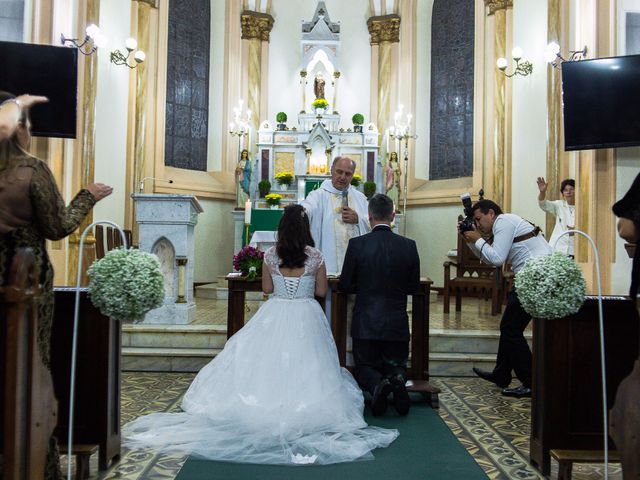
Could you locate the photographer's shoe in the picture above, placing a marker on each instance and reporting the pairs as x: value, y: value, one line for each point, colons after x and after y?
x: 517, y: 392
x: 490, y: 377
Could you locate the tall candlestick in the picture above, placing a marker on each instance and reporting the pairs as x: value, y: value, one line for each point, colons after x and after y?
x: 247, y: 212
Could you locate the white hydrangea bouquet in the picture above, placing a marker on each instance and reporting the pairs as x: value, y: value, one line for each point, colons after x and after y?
x: 126, y: 283
x: 551, y: 286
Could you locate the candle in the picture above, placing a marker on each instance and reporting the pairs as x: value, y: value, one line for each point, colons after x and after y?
x: 247, y: 212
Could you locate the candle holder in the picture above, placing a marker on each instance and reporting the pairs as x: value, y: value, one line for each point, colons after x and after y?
x: 401, y: 132
x: 181, y: 263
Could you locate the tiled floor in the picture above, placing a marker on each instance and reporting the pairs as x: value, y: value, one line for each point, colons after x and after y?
x: 493, y: 429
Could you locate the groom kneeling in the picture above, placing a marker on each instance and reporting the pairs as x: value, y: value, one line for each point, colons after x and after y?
x: 381, y: 268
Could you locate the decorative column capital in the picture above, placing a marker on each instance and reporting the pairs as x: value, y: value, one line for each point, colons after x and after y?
x: 495, y: 5
x: 385, y: 28
x: 256, y: 25
x: 151, y: 3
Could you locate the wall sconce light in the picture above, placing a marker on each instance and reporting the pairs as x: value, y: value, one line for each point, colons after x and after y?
x: 93, y: 40
x: 119, y: 58
x: 523, y: 67
x: 552, y: 55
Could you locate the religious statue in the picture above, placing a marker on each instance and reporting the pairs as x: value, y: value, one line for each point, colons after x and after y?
x: 243, y: 178
x: 392, y: 174
x: 318, y: 86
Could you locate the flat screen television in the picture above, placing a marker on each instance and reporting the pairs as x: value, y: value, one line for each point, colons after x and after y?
x: 43, y: 70
x: 601, y: 103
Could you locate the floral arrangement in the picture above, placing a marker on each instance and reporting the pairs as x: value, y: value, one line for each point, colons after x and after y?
x: 284, y: 178
x: 249, y: 261
x: 356, y: 179
x: 126, y: 283
x: 369, y: 189
x: 551, y: 286
x: 273, y: 199
x: 357, y: 119
x: 319, y: 103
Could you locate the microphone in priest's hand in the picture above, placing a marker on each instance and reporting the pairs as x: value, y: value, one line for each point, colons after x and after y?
x: 141, y: 186
x: 345, y: 198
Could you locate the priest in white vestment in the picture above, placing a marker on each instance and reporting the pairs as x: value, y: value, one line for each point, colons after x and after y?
x: 338, y: 212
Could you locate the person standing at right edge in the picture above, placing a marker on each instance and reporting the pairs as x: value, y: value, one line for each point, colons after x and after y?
x: 514, y: 240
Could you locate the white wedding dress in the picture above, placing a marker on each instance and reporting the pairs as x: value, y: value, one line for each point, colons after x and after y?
x: 276, y: 394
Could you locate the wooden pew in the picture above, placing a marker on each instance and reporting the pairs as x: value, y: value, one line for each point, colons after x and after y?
x: 27, y: 401
x: 566, y: 404
x: 97, y: 398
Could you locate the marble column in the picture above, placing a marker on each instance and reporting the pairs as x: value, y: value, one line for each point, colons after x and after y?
x: 84, y: 155
x: 256, y: 28
x: 385, y: 38
x: 336, y: 77
x: 303, y: 87
x: 498, y: 8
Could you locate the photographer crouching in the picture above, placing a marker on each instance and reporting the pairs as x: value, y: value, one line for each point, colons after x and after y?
x: 496, y: 238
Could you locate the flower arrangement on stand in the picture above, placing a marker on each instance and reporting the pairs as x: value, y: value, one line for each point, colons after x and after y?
x: 551, y: 286
x: 284, y: 178
x: 249, y: 261
x: 356, y: 180
x: 126, y: 283
x: 273, y: 199
x: 320, y: 104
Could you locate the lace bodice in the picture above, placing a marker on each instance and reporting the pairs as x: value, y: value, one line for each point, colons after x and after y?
x: 294, y: 287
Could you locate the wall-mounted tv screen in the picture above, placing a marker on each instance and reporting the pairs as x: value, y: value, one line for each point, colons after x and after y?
x: 601, y: 103
x: 43, y: 70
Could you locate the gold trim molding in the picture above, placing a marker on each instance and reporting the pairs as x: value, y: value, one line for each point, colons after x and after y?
x: 495, y: 5
x: 384, y: 28
x: 256, y: 25
x: 151, y: 3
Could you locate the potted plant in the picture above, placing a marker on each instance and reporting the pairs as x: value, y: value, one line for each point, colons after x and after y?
x: 320, y: 104
x: 356, y: 180
x: 369, y: 189
x: 358, y: 120
x: 264, y: 187
x: 273, y: 200
x: 281, y: 118
x: 284, y: 179
x: 249, y: 261
x: 125, y: 284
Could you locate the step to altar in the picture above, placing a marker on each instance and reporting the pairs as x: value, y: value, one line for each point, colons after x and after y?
x: 187, y: 348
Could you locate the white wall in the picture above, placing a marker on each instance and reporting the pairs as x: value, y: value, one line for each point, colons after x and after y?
x: 529, y: 138
x: 111, y: 112
x: 285, y: 58
x: 423, y: 86
x: 214, y: 241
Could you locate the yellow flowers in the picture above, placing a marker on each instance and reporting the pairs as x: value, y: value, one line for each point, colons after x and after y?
x: 284, y: 178
x: 273, y: 199
x: 356, y: 179
x: 319, y: 103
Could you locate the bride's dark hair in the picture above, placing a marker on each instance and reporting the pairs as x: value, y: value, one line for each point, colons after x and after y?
x: 294, y: 234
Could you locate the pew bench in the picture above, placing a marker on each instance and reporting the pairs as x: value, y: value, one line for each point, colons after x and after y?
x: 566, y: 459
x: 83, y: 454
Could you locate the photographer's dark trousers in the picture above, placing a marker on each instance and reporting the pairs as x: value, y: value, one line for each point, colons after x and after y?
x: 513, y: 350
x: 377, y: 359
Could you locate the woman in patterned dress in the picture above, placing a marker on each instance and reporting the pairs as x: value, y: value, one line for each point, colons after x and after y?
x: 32, y: 211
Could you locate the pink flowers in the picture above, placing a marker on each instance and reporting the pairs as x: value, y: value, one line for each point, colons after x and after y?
x: 249, y: 261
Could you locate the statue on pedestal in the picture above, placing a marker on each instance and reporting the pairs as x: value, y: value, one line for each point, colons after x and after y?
x: 243, y: 178
x: 318, y: 86
x: 392, y: 174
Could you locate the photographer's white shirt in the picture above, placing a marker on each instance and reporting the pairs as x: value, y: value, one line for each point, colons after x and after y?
x: 507, y: 227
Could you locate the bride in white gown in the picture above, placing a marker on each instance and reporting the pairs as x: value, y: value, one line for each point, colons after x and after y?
x: 276, y: 394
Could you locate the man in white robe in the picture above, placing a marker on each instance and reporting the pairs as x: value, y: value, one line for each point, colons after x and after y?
x: 337, y: 212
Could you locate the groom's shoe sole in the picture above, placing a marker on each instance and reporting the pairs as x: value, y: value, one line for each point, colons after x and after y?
x: 401, y: 400
x: 379, y: 398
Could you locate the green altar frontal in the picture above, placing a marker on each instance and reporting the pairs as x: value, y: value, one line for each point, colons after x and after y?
x: 262, y: 219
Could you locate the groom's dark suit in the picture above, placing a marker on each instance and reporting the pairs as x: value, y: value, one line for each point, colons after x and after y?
x: 381, y: 268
